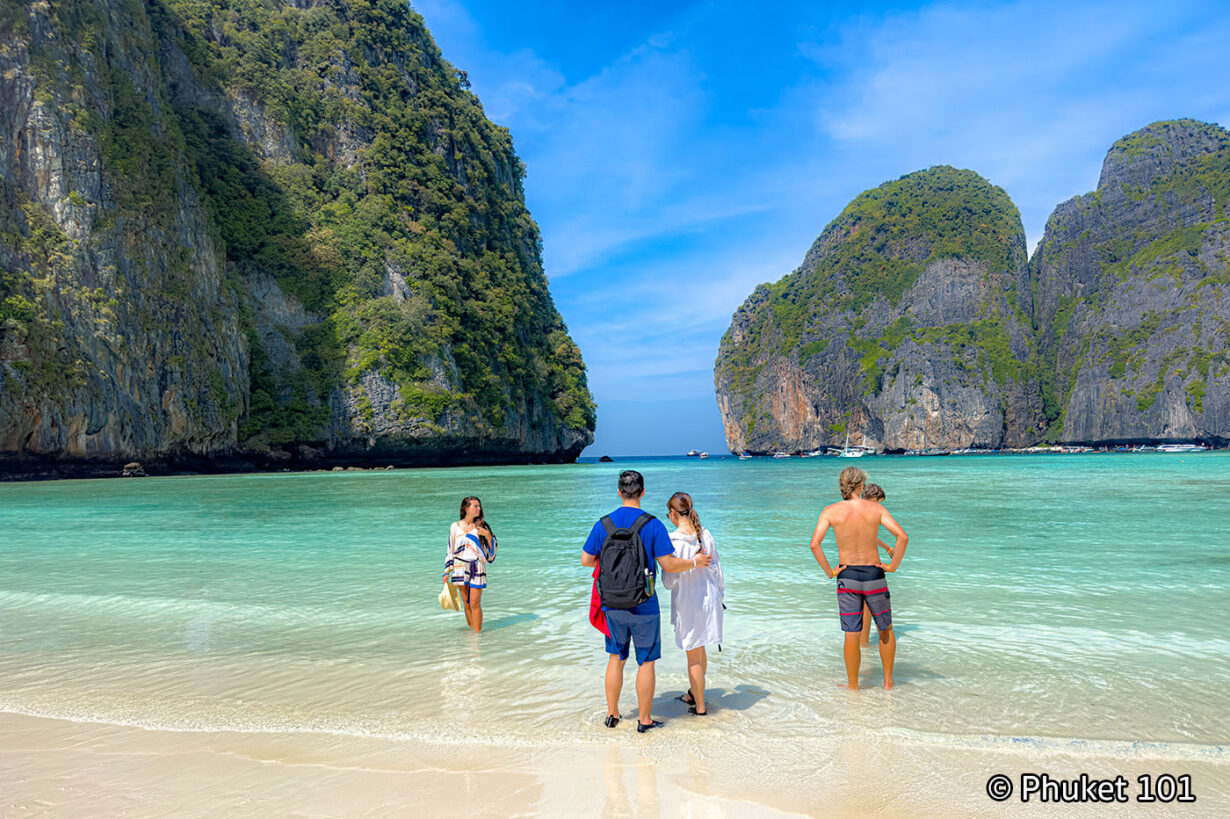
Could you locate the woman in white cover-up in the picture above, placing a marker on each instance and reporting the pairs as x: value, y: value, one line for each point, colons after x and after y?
x: 696, y: 596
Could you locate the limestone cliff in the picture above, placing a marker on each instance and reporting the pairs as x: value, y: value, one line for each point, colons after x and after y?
x: 915, y: 314
x: 258, y: 232
x: 1132, y: 293
x: 907, y: 325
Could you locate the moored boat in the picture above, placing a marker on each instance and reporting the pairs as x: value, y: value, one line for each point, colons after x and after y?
x: 1179, y: 448
x: 848, y: 451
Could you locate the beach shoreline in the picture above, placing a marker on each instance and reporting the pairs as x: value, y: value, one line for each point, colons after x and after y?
x: 66, y: 768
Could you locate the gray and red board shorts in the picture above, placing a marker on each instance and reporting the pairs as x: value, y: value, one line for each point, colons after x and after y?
x: 857, y: 585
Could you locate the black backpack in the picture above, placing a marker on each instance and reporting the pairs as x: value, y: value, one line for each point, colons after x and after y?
x: 625, y: 579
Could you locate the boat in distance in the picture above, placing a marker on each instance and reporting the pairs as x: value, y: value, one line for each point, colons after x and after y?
x: 1179, y: 448
x: 848, y: 451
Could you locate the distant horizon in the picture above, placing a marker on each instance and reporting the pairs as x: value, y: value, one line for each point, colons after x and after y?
x: 675, y: 161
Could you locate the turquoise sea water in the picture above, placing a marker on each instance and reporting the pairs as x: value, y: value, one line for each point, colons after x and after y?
x: 1066, y: 598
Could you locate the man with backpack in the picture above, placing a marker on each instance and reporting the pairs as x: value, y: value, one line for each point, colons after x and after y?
x: 627, y: 546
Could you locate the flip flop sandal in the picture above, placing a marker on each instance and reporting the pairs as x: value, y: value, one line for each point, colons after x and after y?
x: 687, y: 699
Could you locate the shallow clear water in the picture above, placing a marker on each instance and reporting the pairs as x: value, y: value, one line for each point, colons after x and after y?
x: 1065, y: 597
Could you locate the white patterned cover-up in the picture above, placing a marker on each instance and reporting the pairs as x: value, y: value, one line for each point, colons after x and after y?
x: 696, y: 595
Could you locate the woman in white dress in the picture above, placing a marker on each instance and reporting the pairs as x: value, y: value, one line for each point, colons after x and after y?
x: 471, y: 546
x: 696, y: 596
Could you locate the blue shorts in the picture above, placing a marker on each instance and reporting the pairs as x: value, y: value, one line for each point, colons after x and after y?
x: 645, y: 630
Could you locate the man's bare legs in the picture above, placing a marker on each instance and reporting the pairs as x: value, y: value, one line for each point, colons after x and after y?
x: 698, y: 663
x: 614, y: 683
x: 645, y: 681
x: 854, y: 656
x: 888, y: 653
x: 865, y: 635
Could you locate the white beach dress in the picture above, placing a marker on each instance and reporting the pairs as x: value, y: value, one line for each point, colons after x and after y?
x: 696, y: 595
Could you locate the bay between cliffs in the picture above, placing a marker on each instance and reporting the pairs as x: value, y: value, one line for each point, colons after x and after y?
x: 271, y: 644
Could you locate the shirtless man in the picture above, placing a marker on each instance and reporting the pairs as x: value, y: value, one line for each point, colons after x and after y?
x: 860, y: 574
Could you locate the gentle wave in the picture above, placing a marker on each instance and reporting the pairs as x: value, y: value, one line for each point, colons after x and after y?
x: 448, y: 735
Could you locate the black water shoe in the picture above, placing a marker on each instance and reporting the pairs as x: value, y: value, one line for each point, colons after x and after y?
x: 611, y: 720
x: 642, y: 727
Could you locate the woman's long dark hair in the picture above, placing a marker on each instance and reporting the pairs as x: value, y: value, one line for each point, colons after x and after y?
x: 479, y: 522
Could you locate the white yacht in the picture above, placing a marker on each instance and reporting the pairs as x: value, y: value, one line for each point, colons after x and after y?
x: 781, y: 454
x: 848, y: 451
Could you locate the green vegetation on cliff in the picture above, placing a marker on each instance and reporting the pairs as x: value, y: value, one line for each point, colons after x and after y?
x: 335, y: 151
x: 390, y: 171
x: 870, y: 256
x: 36, y: 249
x: 883, y: 239
x: 1174, y: 177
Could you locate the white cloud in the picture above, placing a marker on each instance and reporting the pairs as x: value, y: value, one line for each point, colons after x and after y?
x: 1029, y: 95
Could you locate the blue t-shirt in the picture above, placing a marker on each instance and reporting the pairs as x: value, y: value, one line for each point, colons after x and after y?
x: 655, y: 538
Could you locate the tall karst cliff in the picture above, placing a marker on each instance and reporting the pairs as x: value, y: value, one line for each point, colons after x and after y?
x: 915, y: 321
x: 1132, y: 287
x: 908, y: 325
x: 280, y: 232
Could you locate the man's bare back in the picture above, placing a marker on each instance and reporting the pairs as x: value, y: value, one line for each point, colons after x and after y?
x: 855, y: 523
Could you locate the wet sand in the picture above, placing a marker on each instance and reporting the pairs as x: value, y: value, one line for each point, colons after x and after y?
x: 62, y: 768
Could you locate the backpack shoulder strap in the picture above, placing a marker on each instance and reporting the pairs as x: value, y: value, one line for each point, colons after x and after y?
x: 608, y: 524
x: 642, y: 522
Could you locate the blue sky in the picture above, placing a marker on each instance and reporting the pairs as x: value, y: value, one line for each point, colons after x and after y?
x: 678, y: 154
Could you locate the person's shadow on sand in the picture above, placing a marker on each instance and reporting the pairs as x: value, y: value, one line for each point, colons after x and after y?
x: 739, y: 698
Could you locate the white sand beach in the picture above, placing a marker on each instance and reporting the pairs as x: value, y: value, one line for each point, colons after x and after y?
x: 61, y: 768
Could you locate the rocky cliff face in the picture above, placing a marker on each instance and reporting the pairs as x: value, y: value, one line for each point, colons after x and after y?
x: 1132, y: 287
x: 907, y: 325
x: 914, y: 320
x: 264, y: 232
x: 118, y: 334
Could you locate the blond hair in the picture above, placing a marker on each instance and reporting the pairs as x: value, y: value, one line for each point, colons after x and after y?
x: 850, y: 480
x: 681, y: 504
x: 873, y: 492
